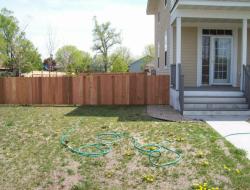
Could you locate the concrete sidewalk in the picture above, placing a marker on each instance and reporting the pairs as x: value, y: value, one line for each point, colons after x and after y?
x: 225, y: 127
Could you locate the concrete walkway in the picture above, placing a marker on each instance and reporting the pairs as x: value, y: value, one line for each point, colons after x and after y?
x: 165, y: 113
x: 225, y: 127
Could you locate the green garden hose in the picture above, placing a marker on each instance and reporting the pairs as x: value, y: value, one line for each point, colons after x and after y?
x: 236, y: 134
x: 106, y: 140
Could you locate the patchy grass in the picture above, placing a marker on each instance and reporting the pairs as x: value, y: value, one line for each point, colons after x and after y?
x: 31, y: 156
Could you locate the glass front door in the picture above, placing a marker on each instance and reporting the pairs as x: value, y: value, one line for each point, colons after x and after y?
x: 221, y: 60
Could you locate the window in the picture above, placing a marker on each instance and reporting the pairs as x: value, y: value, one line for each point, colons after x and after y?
x: 166, y: 47
x: 217, y: 32
x: 158, y: 50
x: 159, y: 17
x: 158, y: 55
x: 166, y: 58
x: 166, y: 2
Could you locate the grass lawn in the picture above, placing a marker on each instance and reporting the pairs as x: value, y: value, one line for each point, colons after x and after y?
x: 31, y: 156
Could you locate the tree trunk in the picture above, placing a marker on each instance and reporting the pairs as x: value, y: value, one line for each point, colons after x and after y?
x: 105, y: 60
x: 105, y: 67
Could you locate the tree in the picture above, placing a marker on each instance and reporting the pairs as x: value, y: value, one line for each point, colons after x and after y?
x: 8, y: 30
x: 148, y: 54
x: 105, y: 38
x: 3, y: 56
x: 73, y: 60
x: 149, y: 50
x: 119, y: 65
x: 97, y: 64
x: 120, y: 60
x: 26, y: 56
x: 16, y: 52
x: 51, y: 43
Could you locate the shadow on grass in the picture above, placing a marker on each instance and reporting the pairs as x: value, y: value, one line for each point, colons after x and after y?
x: 123, y: 113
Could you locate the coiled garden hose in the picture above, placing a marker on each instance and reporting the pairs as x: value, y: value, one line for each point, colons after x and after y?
x: 106, y: 140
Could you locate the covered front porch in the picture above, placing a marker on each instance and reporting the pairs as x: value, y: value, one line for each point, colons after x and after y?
x: 209, y: 55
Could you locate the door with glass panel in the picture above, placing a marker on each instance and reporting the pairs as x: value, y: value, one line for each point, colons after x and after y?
x: 221, y: 60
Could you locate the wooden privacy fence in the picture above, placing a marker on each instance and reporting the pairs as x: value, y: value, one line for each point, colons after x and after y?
x: 92, y: 89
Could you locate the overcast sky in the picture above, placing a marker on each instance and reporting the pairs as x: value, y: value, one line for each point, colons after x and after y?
x: 72, y: 21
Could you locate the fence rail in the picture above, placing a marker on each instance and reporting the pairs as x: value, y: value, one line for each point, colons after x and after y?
x: 93, y: 89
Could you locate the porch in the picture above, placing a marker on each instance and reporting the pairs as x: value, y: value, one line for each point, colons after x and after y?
x: 213, y: 100
x: 212, y: 66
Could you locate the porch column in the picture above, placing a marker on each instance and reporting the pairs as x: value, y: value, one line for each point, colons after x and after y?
x: 244, y: 49
x: 178, y: 49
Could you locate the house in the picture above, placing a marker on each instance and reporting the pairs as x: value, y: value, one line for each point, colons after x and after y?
x: 138, y: 65
x: 204, y: 46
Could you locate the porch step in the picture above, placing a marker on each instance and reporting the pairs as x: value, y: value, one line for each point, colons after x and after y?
x: 213, y: 99
x: 214, y: 93
x: 215, y: 103
x: 215, y: 106
x: 242, y: 112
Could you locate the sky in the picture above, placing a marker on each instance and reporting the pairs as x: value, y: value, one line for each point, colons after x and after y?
x: 71, y: 21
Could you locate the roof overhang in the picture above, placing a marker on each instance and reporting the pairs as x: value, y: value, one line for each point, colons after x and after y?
x: 240, y: 5
x: 152, y: 7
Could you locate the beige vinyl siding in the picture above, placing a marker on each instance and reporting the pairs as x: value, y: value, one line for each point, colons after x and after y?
x: 160, y: 29
x: 189, y: 54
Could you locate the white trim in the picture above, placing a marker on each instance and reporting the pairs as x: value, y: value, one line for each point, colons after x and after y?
x: 199, y: 57
x: 212, y: 55
x: 225, y: 4
x: 244, y: 42
x: 178, y: 40
x: 208, y: 13
x: 171, y: 45
x: 235, y: 57
x: 233, y: 72
x: 244, y: 49
x: 178, y: 49
x: 207, y: 24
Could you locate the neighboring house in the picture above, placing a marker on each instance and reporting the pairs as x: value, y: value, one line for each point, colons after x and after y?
x: 138, y: 65
x: 203, y: 45
x: 44, y: 74
x: 5, y: 71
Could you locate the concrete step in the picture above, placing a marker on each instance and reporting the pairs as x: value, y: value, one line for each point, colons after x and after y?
x: 217, y: 113
x: 214, y: 93
x: 225, y: 106
x: 213, y: 100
